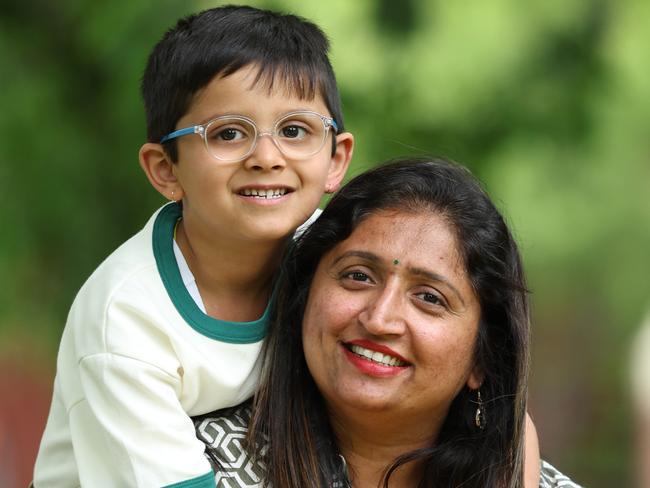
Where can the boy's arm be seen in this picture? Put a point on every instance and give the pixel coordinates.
(532, 461)
(131, 429)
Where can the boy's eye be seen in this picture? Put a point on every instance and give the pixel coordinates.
(293, 132)
(229, 134)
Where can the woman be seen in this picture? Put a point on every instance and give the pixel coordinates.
(400, 353)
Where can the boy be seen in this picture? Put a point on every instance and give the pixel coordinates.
(245, 134)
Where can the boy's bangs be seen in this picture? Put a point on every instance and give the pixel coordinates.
(302, 82)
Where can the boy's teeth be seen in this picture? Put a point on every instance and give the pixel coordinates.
(274, 193)
(376, 356)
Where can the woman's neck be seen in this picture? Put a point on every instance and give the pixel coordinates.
(370, 448)
(234, 279)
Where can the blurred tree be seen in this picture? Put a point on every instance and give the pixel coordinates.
(547, 101)
(71, 126)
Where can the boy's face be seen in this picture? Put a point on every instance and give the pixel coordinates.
(217, 195)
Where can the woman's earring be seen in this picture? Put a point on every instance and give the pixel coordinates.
(172, 198)
(479, 418)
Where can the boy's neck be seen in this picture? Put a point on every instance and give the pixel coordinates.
(234, 279)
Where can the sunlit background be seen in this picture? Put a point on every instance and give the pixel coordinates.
(548, 101)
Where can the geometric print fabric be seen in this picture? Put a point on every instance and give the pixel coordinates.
(224, 437)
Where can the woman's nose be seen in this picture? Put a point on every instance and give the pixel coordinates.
(384, 313)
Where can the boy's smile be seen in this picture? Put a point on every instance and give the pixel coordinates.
(262, 193)
(265, 196)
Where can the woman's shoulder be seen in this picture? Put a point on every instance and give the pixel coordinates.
(550, 477)
(224, 435)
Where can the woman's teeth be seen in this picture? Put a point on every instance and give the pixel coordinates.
(376, 356)
(274, 193)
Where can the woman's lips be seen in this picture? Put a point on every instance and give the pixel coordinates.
(374, 359)
(376, 352)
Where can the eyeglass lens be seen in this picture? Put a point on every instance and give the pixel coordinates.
(296, 135)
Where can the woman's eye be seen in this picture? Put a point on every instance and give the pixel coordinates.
(431, 298)
(293, 132)
(358, 276)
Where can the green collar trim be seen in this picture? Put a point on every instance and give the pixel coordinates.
(221, 330)
(204, 481)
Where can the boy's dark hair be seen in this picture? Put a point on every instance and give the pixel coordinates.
(222, 40)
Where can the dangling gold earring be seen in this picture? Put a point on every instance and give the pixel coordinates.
(479, 418)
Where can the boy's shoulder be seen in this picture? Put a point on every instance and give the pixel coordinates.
(124, 287)
(124, 264)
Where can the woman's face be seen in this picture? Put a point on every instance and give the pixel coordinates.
(391, 319)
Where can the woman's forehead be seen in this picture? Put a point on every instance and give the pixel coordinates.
(422, 240)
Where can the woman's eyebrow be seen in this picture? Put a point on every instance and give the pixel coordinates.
(429, 275)
(360, 254)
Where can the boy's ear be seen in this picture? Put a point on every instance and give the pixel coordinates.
(160, 171)
(340, 161)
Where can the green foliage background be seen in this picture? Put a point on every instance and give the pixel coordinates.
(547, 101)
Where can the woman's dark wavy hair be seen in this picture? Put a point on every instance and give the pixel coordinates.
(289, 412)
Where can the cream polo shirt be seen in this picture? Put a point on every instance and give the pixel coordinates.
(137, 359)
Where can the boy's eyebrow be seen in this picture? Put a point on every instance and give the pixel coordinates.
(233, 113)
(220, 114)
(424, 273)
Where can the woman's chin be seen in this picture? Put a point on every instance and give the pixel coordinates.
(361, 398)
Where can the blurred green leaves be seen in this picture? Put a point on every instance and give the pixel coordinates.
(547, 101)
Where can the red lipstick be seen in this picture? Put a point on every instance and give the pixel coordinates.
(373, 346)
(373, 368)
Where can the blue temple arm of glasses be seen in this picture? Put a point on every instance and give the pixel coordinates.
(179, 133)
(333, 124)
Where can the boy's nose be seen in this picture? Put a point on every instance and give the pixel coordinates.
(266, 155)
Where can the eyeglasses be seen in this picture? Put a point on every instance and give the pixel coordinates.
(234, 137)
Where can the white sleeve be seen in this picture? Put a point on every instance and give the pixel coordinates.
(131, 430)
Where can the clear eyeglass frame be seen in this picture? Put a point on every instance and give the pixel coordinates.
(203, 130)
